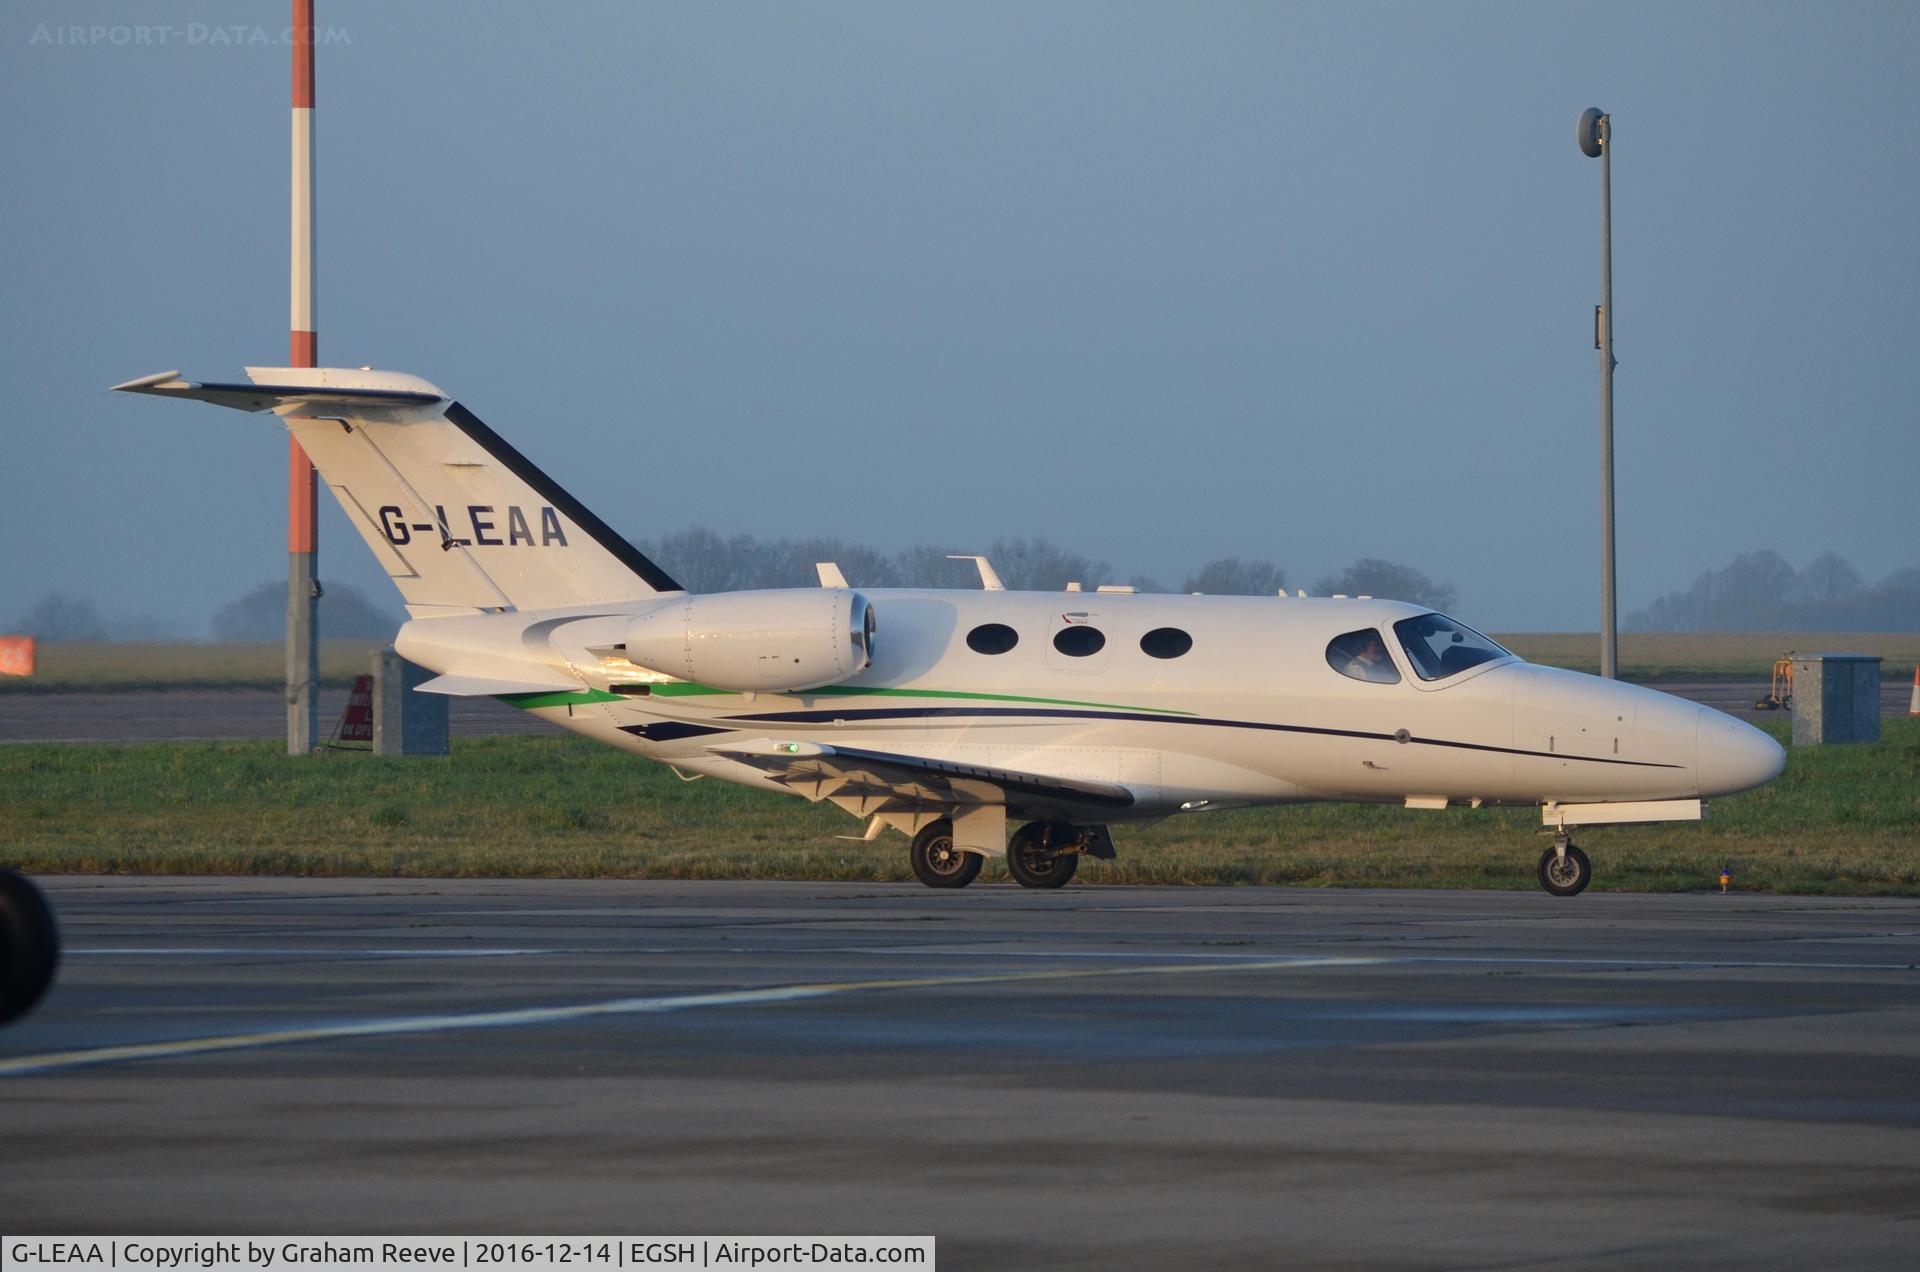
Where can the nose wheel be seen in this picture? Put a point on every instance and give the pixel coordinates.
(936, 862)
(1564, 869)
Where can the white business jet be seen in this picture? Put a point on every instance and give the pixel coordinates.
(952, 715)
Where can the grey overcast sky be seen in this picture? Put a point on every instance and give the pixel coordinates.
(1163, 282)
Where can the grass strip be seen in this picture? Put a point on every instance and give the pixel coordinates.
(1841, 820)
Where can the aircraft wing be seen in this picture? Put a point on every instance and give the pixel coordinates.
(879, 781)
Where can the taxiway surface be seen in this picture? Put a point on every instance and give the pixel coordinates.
(1098, 1078)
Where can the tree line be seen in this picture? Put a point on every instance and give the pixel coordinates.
(704, 561)
(1763, 592)
(1756, 592)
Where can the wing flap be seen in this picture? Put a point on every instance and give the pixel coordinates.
(820, 771)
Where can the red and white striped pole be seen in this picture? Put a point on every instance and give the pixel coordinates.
(303, 645)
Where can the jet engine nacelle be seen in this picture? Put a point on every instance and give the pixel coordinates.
(779, 641)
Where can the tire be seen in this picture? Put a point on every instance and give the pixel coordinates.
(936, 862)
(1566, 877)
(1032, 864)
(29, 946)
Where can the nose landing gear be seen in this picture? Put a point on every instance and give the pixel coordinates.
(1564, 869)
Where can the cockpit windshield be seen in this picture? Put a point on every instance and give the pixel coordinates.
(1438, 647)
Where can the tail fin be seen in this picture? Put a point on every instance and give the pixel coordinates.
(461, 520)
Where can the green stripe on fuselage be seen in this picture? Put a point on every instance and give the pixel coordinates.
(687, 689)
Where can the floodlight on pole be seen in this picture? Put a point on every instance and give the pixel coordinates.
(1596, 142)
(303, 522)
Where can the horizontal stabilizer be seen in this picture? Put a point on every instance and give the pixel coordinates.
(314, 385)
(480, 687)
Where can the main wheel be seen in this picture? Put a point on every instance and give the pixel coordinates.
(1034, 858)
(1565, 876)
(937, 862)
(29, 946)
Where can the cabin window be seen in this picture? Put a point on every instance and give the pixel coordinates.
(1363, 655)
(1165, 642)
(992, 638)
(1079, 641)
(1439, 647)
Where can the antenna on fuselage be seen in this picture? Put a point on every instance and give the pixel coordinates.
(989, 580)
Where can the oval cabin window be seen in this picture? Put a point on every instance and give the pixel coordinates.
(1165, 642)
(992, 638)
(1079, 642)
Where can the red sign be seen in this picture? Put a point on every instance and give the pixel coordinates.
(16, 655)
(357, 724)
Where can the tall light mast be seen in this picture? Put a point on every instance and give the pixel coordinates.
(303, 585)
(1596, 142)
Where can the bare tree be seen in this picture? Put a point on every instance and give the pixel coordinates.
(927, 566)
(261, 614)
(1039, 565)
(1828, 578)
(1232, 576)
(1761, 591)
(57, 616)
(702, 561)
(1388, 580)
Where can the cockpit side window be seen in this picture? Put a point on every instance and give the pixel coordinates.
(1438, 647)
(1363, 656)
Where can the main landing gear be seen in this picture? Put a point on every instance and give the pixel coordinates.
(1564, 869)
(1041, 854)
(939, 864)
(29, 946)
(1045, 854)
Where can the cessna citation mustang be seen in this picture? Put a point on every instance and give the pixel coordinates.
(949, 715)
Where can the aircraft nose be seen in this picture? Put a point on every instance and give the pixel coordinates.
(1733, 756)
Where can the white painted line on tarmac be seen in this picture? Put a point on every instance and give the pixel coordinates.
(967, 950)
(310, 951)
(1638, 964)
(1656, 964)
(55, 1061)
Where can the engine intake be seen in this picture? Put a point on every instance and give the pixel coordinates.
(777, 641)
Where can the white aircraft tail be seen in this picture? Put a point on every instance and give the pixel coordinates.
(461, 520)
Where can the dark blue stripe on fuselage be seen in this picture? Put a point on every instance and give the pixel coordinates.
(913, 713)
(671, 730)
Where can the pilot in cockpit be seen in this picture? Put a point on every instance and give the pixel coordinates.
(1367, 658)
